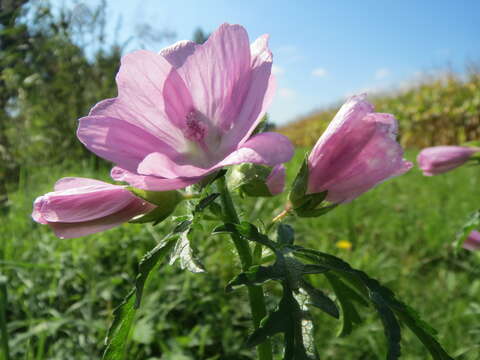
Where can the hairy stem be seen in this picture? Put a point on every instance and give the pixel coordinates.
(255, 293)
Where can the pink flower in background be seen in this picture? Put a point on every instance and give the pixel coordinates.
(356, 152)
(473, 241)
(439, 159)
(276, 180)
(81, 206)
(187, 111)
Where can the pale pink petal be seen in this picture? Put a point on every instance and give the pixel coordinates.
(178, 53)
(67, 183)
(266, 148)
(148, 182)
(157, 164)
(276, 180)
(257, 99)
(83, 203)
(119, 141)
(66, 230)
(217, 74)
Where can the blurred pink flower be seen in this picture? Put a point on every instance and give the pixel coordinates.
(439, 159)
(276, 180)
(357, 151)
(473, 241)
(187, 111)
(81, 206)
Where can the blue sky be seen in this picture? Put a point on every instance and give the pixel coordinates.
(325, 50)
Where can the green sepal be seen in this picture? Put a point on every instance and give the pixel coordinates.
(300, 185)
(166, 202)
(250, 179)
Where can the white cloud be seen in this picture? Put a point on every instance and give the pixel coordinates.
(286, 93)
(382, 73)
(319, 72)
(278, 70)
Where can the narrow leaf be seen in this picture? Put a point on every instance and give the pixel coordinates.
(318, 299)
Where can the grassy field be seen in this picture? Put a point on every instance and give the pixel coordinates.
(62, 292)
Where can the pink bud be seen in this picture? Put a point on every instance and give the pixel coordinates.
(473, 241)
(439, 159)
(81, 206)
(356, 152)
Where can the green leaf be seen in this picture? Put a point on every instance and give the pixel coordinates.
(119, 330)
(285, 234)
(256, 275)
(147, 264)
(318, 299)
(186, 255)
(205, 202)
(350, 315)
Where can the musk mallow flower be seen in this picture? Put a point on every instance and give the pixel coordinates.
(357, 151)
(187, 111)
(81, 206)
(472, 242)
(439, 159)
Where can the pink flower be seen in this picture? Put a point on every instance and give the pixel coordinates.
(356, 152)
(187, 111)
(473, 241)
(439, 159)
(81, 206)
(276, 180)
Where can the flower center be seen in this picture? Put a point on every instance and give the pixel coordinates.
(195, 129)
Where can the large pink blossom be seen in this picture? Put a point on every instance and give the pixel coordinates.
(473, 241)
(187, 111)
(357, 151)
(439, 159)
(81, 206)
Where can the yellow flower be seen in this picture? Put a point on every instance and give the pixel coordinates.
(344, 245)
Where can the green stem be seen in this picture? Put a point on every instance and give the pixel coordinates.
(3, 318)
(255, 293)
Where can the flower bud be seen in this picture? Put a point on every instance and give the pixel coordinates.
(440, 159)
(81, 206)
(257, 180)
(357, 151)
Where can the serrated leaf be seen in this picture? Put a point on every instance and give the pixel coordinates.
(390, 325)
(318, 299)
(349, 314)
(256, 275)
(184, 253)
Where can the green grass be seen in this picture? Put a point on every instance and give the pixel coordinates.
(61, 292)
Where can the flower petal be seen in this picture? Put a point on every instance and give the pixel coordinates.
(276, 180)
(178, 53)
(119, 141)
(65, 230)
(67, 183)
(148, 182)
(157, 164)
(266, 148)
(82, 203)
(258, 97)
(217, 73)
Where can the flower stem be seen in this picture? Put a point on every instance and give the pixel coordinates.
(255, 293)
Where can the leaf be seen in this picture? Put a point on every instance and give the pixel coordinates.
(205, 202)
(318, 299)
(148, 262)
(285, 234)
(390, 326)
(350, 315)
(119, 330)
(256, 275)
(184, 252)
